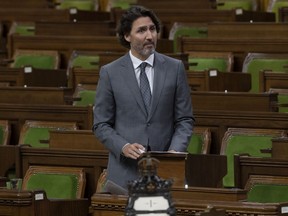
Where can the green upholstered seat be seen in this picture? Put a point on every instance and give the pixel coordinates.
(255, 62)
(57, 182)
(267, 189)
(87, 5)
(85, 98)
(33, 133)
(268, 193)
(41, 59)
(245, 141)
(235, 4)
(200, 141)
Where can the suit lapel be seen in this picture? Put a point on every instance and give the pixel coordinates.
(159, 78)
(129, 78)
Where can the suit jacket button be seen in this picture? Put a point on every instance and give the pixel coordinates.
(148, 124)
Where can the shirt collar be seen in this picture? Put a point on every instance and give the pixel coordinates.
(136, 62)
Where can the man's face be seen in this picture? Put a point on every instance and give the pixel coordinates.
(142, 38)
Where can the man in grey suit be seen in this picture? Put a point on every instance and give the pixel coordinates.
(128, 121)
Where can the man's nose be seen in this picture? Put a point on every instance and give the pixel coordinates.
(149, 35)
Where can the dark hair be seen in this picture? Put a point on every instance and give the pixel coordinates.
(129, 17)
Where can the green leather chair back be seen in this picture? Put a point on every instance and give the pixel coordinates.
(244, 144)
(276, 6)
(35, 61)
(195, 145)
(34, 135)
(268, 193)
(57, 186)
(87, 97)
(258, 63)
(27, 30)
(202, 64)
(189, 31)
(85, 61)
(234, 4)
(200, 141)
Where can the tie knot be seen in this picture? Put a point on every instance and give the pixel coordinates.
(143, 66)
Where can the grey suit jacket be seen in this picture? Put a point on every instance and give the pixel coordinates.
(120, 116)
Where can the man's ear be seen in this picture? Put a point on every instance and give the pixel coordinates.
(127, 38)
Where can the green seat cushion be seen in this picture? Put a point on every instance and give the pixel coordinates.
(36, 61)
(57, 186)
(244, 145)
(87, 98)
(201, 64)
(267, 193)
(195, 144)
(256, 65)
(230, 5)
(87, 62)
(34, 135)
(87, 5)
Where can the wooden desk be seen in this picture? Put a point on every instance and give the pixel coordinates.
(245, 166)
(219, 81)
(112, 205)
(280, 148)
(35, 95)
(234, 101)
(270, 79)
(75, 139)
(18, 113)
(29, 203)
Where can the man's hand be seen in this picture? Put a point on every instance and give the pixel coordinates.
(133, 150)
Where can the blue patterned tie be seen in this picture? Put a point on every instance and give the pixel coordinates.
(145, 87)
